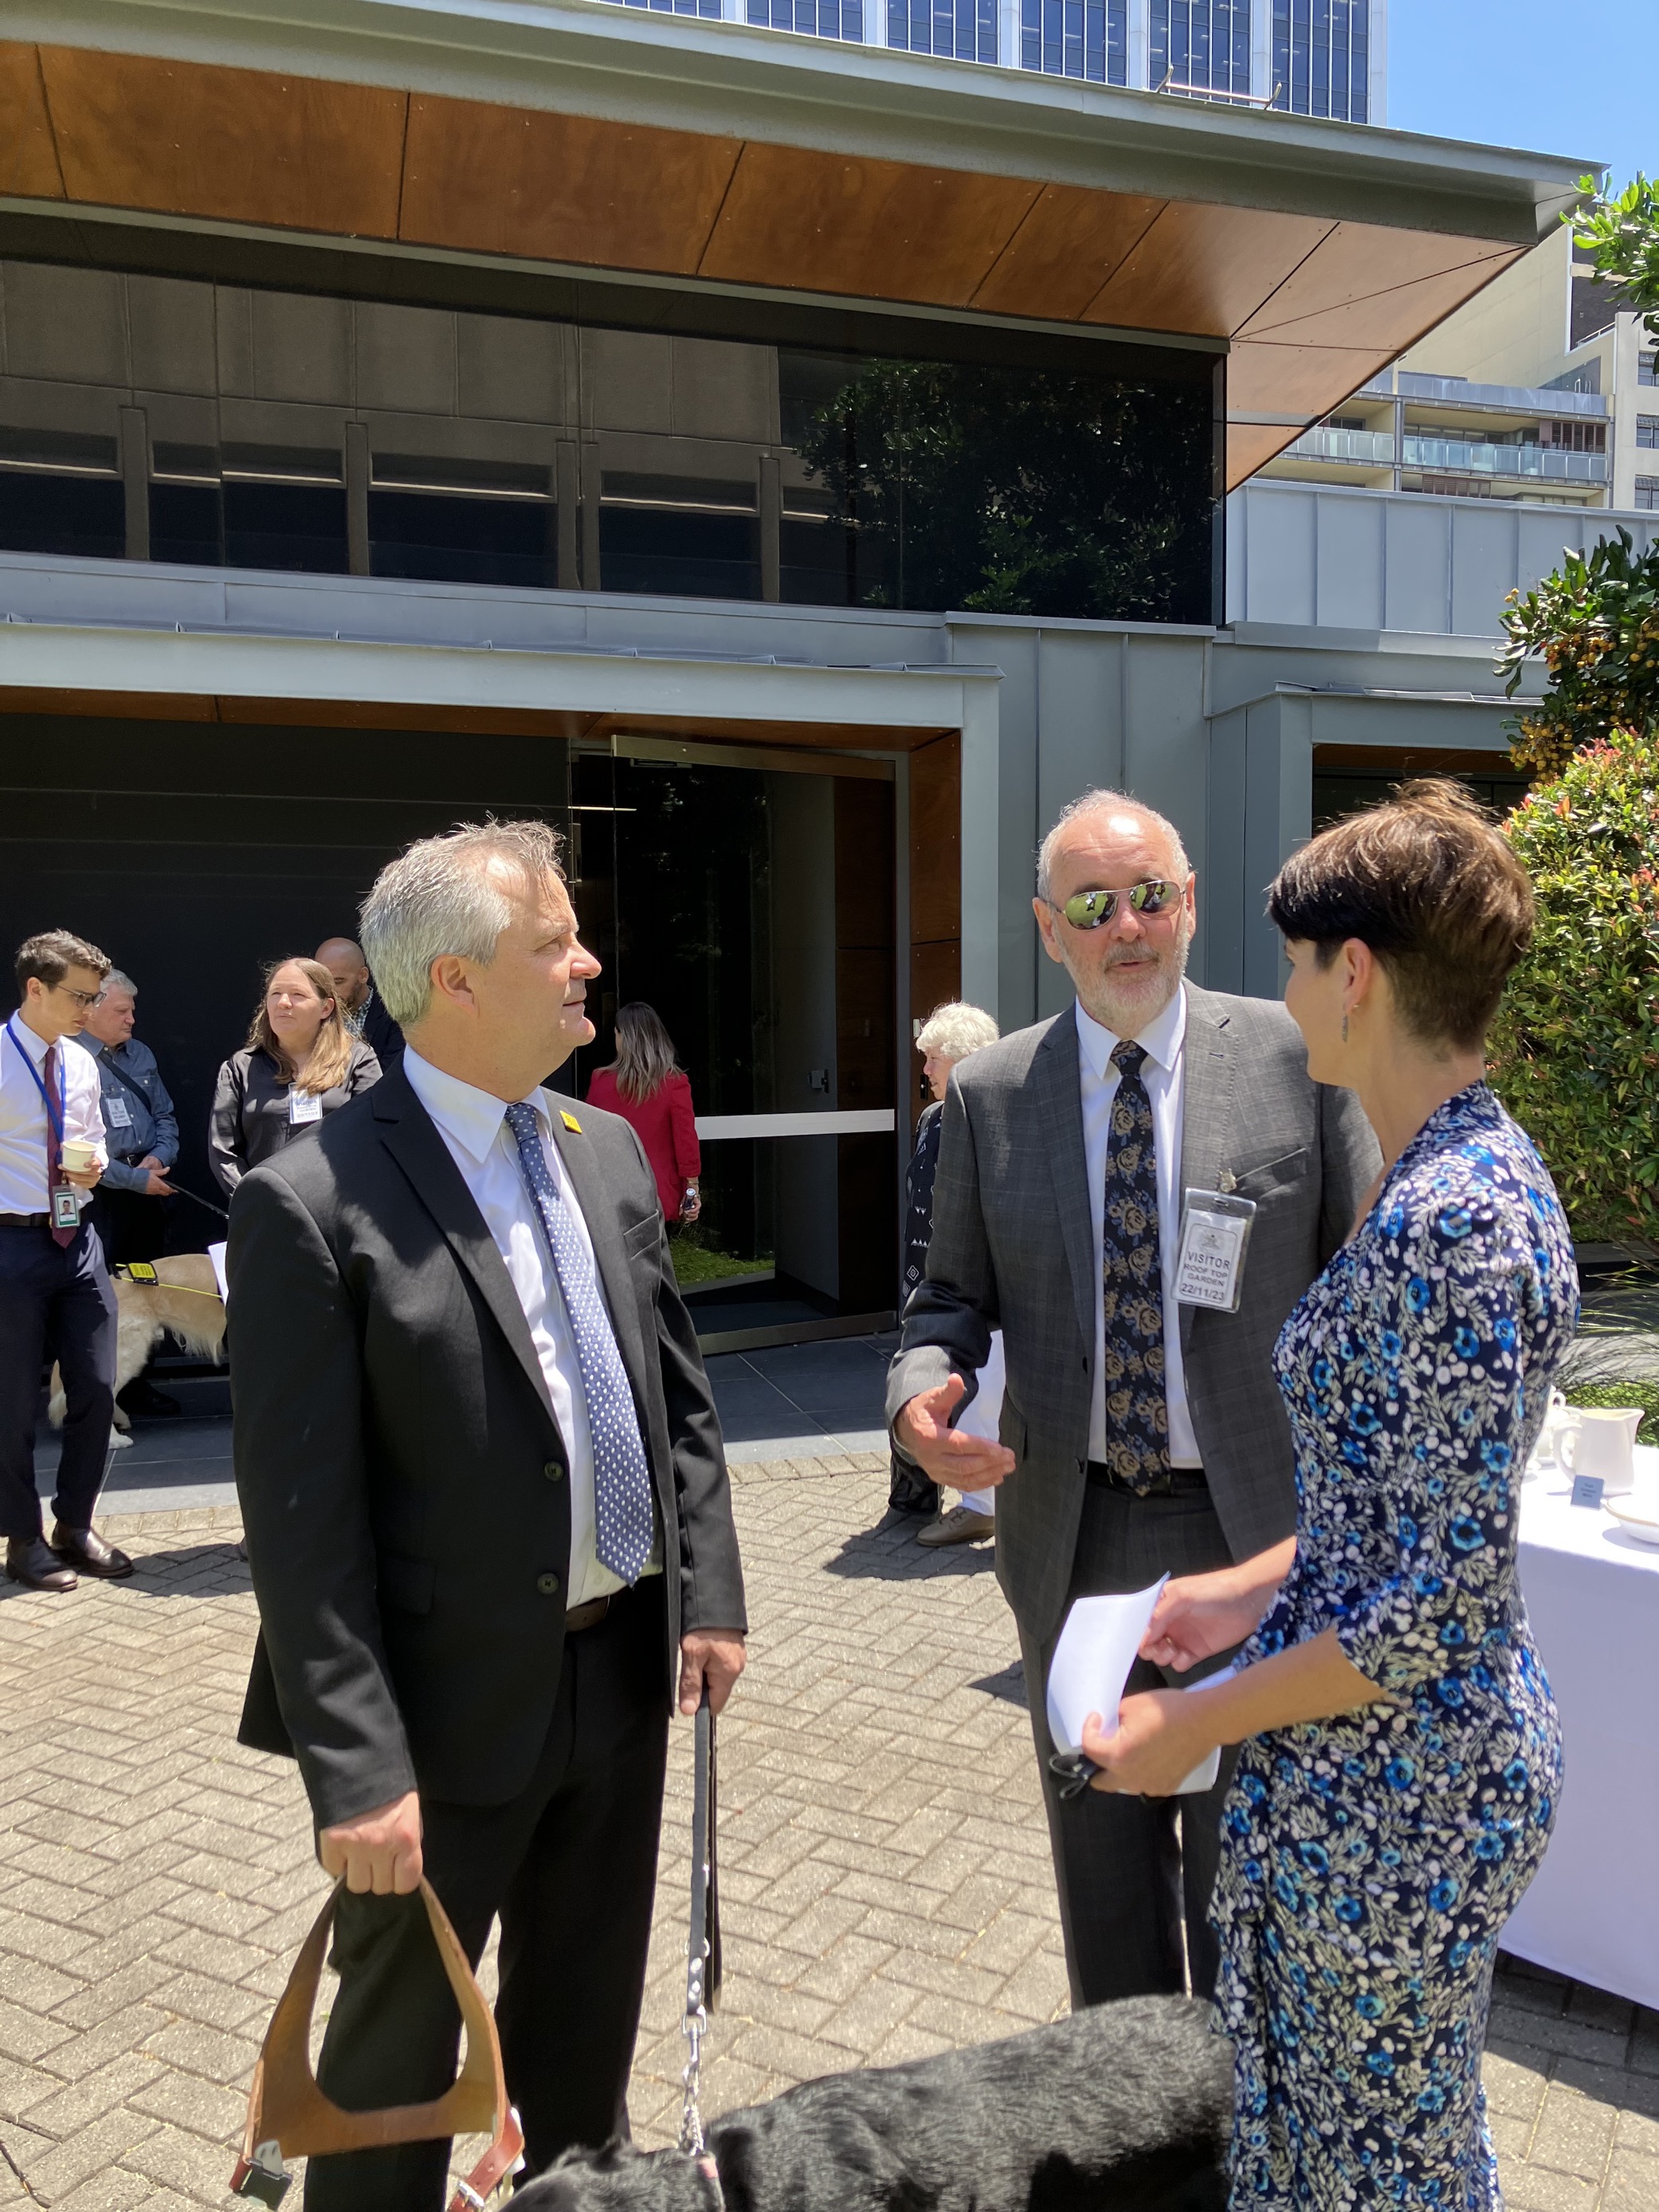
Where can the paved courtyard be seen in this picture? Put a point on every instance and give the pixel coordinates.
(885, 1873)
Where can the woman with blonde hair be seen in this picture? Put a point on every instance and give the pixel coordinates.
(950, 1033)
(300, 1064)
(647, 1085)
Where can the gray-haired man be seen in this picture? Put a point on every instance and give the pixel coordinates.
(1139, 1435)
(487, 1514)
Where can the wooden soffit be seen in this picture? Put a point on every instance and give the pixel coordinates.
(1310, 306)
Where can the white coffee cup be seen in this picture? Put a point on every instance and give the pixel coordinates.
(78, 1156)
(1602, 1440)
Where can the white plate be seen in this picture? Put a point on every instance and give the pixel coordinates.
(1639, 1515)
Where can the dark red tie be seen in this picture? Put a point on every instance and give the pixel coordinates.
(58, 1235)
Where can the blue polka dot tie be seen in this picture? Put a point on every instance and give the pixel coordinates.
(623, 1524)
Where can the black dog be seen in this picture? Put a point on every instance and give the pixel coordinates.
(1125, 2108)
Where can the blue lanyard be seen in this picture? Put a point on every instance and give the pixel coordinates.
(58, 1118)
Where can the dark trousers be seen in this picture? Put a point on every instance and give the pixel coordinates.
(1132, 1872)
(55, 1303)
(570, 1864)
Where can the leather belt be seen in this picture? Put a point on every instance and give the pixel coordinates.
(586, 1616)
(1173, 1482)
(25, 1221)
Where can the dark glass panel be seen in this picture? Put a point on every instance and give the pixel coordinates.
(678, 552)
(1004, 490)
(40, 512)
(187, 524)
(286, 526)
(449, 539)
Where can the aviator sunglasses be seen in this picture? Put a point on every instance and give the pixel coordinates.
(1094, 909)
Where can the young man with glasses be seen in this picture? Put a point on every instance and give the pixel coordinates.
(56, 1301)
(1141, 1436)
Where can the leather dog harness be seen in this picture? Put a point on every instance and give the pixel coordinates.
(288, 2115)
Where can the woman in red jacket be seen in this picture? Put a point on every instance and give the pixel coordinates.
(647, 1086)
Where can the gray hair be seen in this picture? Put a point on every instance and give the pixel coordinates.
(118, 980)
(438, 897)
(1107, 802)
(956, 1029)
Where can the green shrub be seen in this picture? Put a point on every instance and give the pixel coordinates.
(1575, 1051)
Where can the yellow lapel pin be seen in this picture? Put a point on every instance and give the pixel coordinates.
(572, 1124)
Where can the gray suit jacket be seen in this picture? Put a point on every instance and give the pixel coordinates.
(1013, 1248)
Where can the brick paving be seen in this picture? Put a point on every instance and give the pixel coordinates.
(884, 1870)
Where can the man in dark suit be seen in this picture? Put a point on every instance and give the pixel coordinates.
(487, 1514)
(1139, 1436)
(364, 1008)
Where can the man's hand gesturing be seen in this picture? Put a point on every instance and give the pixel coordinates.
(945, 1454)
(379, 1851)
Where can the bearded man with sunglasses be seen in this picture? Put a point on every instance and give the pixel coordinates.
(1141, 1436)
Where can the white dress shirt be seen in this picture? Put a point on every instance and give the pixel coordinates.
(24, 1187)
(1164, 1074)
(473, 1125)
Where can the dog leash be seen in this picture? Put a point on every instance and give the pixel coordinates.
(288, 2115)
(703, 1952)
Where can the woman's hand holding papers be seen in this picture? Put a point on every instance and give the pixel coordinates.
(1199, 1615)
(1160, 1740)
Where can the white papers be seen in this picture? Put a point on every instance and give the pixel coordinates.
(1091, 1663)
(216, 1253)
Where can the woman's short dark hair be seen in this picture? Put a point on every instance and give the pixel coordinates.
(1431, 885)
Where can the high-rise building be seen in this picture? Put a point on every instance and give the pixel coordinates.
(1322, 57)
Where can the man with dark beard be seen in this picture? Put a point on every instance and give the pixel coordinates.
(1139, 1436)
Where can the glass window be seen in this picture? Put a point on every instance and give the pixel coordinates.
(902, 464)
(1647, 429)
(1204, 44)
(1647, 368)
(1088, 39)
(1322, 57)
(966, 30)
(1647, 492)
(819, 19)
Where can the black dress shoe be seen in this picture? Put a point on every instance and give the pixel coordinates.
(30, 1562)
(85, 1549)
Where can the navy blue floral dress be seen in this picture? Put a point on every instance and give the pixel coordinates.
(1368, 1862)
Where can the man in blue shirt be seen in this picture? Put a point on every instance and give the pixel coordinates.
(142, 1135)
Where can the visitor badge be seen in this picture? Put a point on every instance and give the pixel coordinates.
(303, 1106)
(117, 1113)
(65, 1206)
(1215, 1230)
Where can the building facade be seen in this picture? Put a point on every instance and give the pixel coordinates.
(1323, 58)
(794, 472)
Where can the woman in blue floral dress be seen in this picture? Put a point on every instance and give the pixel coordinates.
(1402, 1759)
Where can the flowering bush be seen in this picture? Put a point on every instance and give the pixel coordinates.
(1595, 622)
(1575, 1051)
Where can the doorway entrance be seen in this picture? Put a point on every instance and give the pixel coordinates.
(750, 897)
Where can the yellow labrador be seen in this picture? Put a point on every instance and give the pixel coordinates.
(183, 1302)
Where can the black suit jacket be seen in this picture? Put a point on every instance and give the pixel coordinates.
(380, 1033)
(402, 1481)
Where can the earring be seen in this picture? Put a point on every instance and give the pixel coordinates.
(1345, 1029)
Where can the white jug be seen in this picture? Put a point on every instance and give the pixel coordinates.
(1602, 1440)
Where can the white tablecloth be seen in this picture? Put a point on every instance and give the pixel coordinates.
(1592, 1592)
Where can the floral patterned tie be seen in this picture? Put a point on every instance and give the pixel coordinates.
(623, 1517)
(1137, 1411)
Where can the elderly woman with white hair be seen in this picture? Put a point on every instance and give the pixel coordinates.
(950, 1033)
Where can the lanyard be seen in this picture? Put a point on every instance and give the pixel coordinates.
(56, 1118)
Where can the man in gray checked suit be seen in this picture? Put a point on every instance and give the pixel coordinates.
(1138, 1437)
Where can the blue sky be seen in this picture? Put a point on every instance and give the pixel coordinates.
(1558, 76)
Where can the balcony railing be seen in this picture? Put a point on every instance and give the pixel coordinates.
(1370, 448)
(1464, 457)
